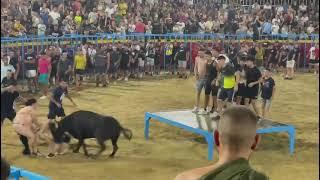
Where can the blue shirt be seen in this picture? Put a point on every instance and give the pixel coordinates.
(267, 28)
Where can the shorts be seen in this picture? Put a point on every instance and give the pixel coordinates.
(266, 102)
(124, 65)
(100, 70)
(80, 72)
(141, 63)
(55, 111)
(31, 74)
(9, 115)
(241, 90)
(290, 64)
(252, 92)
(226, 94)
(150, 61)
(200, 84)
(168, 59)
(313, 62)
(211, 90)
(182, 64)
(44, 79)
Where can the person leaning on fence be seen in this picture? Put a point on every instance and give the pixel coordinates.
(5, 169)
(234, 146)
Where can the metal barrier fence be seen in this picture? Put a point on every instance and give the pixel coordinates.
(23, 44)
(17, 173)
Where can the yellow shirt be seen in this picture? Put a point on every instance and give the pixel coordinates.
(80, 62)
(78, 20)
(229, 82)
(123, 7)
(169, 48)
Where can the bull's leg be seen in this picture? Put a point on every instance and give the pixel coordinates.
(85, 149)
(115, 146)
(102, 147)
(80, 143)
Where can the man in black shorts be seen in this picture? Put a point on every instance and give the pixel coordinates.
(241, 75)
(273, 57)
(100, 67)
(8, 96)
(253, 76)
(210, 87)
(55, 107)
(124, 63)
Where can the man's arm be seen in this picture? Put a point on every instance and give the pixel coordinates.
(195, 70)
(16, 73)
(273, 92)
(70, 99)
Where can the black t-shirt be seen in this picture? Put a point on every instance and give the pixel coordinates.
(64, 65)
(58, 94)
(14, 62)
(267, 88)
(32, 65)
(293, 52)
(54, 62)
(253, 75)
(252, 52)
(212, 72)
(181, 55)
(101, 60)
(125, 56)
(273, 53)
(7, 101)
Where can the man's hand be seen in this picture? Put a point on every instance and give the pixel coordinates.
(251, 84)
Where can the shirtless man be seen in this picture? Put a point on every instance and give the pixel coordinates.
(240, 71)
(200, 72)
(25, 124)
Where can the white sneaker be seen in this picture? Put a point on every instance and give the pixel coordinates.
(126, 79)
(215, 114)
(195, 109)
(43, 97)
(208, 110)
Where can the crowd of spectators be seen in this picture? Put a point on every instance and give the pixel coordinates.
(58, 17)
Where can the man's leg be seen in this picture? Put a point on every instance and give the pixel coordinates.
(263, 108)
(255, 107)
(24, 141)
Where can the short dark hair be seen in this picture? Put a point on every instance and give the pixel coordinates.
(30, 102)
(208, 52)
(251, 58)
(5, 169)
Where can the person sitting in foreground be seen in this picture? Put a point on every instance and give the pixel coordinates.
(5, 169)
(234, 145)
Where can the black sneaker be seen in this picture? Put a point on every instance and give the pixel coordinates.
(26, 152)
(50, 155)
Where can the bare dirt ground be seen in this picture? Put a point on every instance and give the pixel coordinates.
(171, 150)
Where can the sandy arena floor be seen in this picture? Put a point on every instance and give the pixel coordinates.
(171, 150)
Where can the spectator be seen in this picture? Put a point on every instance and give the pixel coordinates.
(235, 147)
(267, 28)
(6, 67)
(140, 27)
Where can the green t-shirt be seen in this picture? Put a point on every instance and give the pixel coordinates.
(235, 170)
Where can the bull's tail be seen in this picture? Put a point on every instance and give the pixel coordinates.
(127, 133)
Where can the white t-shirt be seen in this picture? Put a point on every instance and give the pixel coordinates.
(304, 19)
(312, 52)
(310, 29)
(275, 29)
(303, 8)
(268, 7)
(109, 10)
(202, 27)
(41, 29)
(55, 16)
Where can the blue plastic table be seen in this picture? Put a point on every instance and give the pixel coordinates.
(204, 126)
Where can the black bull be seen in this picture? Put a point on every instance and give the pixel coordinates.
(85, 124)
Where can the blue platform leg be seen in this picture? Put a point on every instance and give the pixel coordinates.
(146, 126)
(210, 142)
(291, 133)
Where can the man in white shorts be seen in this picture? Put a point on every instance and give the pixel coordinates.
(30, 67)
(292, 56)
(314, 58)
(181, 56)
